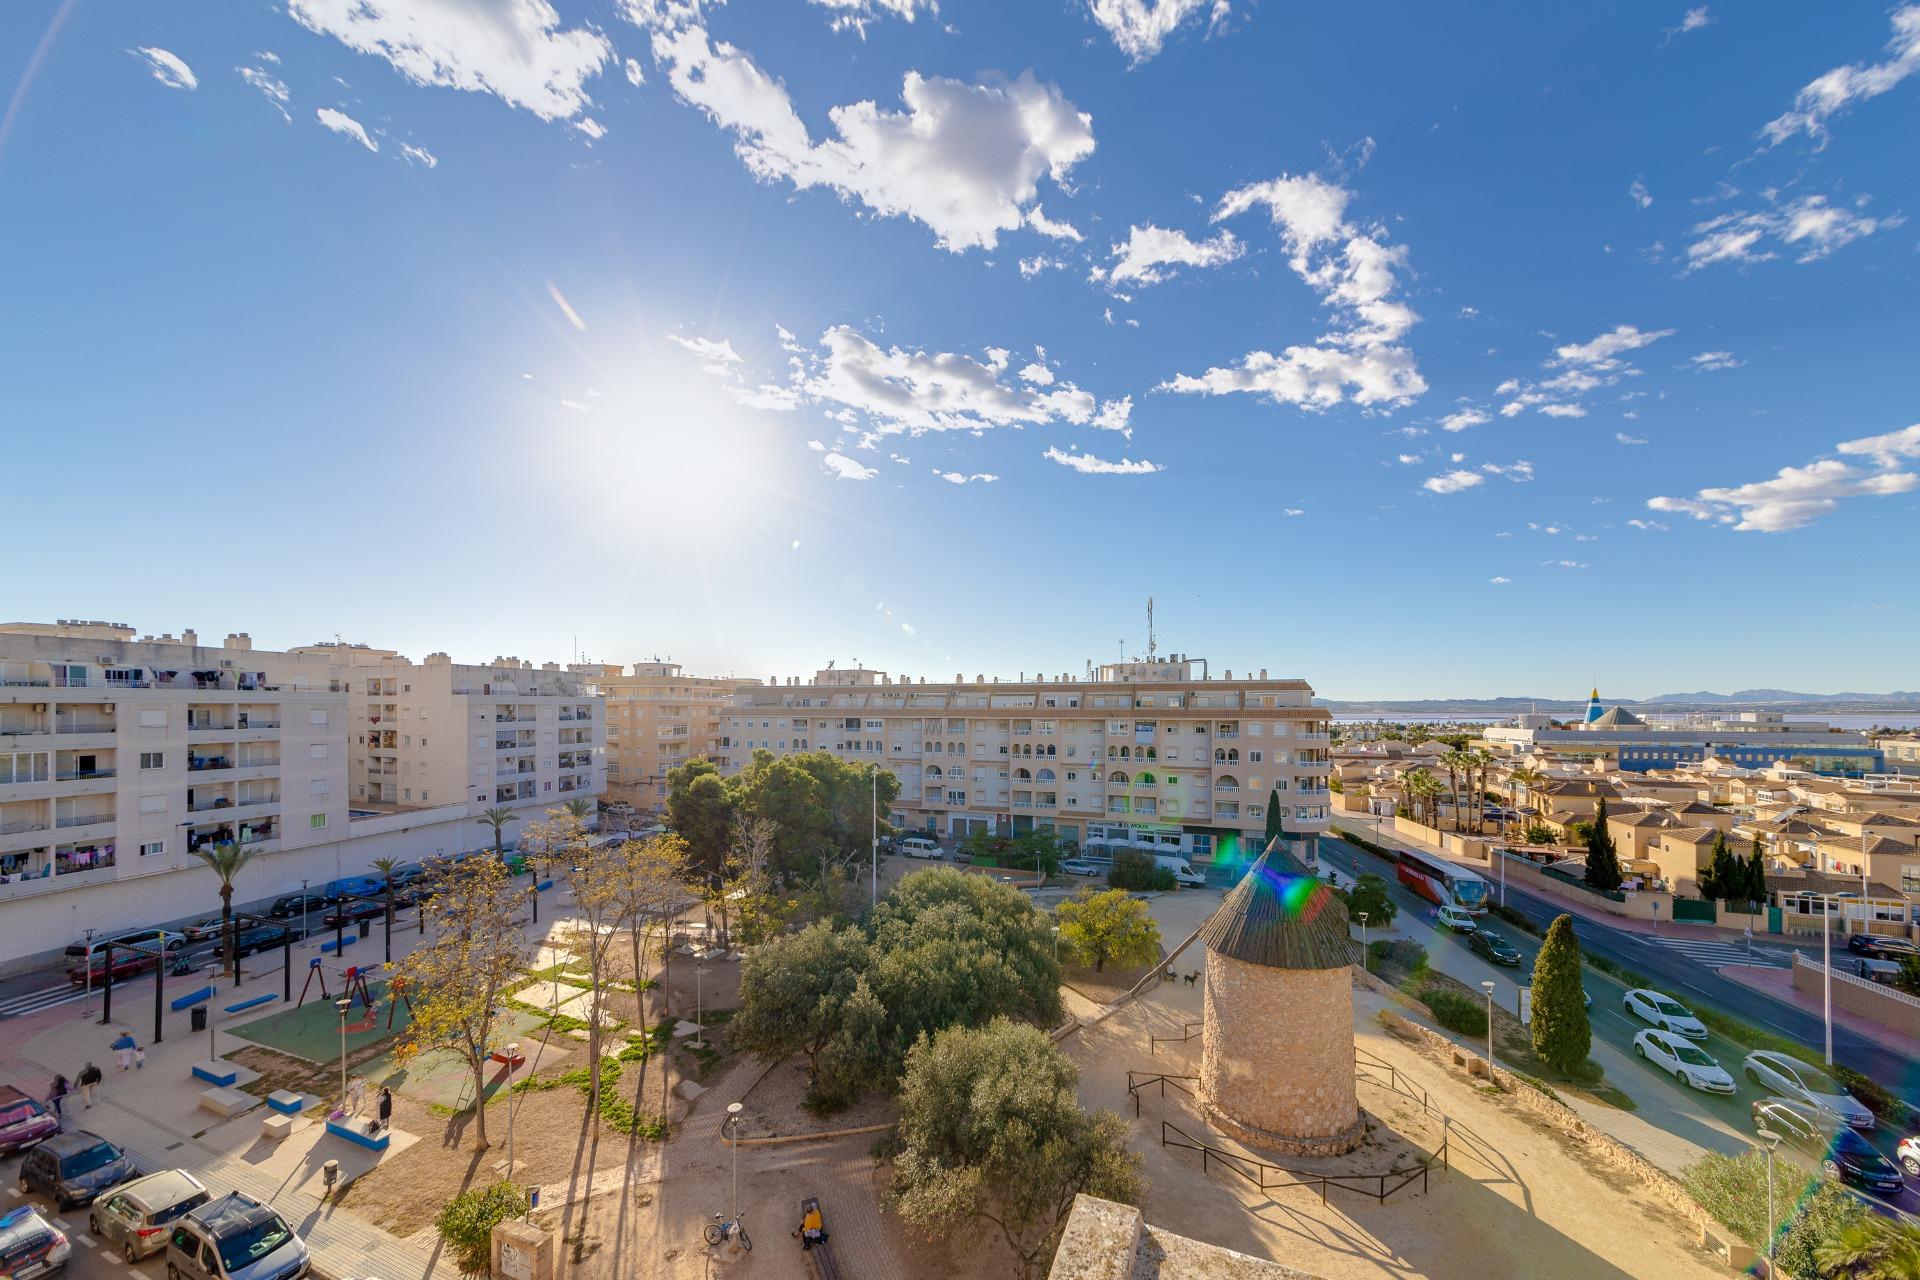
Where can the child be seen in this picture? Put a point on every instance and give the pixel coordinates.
(58, 1094)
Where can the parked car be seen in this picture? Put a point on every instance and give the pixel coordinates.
(208, 930)
(352, 887)
(30, 1246)
(1458, 919)
(1081, 867)
(289, 905)
(1879, 948)
(134, 1216)
(1493, 947)
(1842, 1153)
(169, 939)
(1908, 1154)
(351, 912)
(261, 937)
(1688, 1064)
(72, 1168)
(1804, 1082)
(1664, 1012)
(126, 964)
(235, 1238)
(23, 1121)
(919, 847)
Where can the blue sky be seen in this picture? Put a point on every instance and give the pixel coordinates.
(1418, 351)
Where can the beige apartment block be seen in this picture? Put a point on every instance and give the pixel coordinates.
(122, 754)
(1142, 753)
(658, 718)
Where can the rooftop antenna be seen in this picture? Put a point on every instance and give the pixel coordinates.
(830, 662)
(1151, 645)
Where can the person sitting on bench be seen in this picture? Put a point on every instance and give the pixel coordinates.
(812, 1229)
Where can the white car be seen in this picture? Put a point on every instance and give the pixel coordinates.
(918, 847)
(1804, 1082)
(1664, 1013)
(1689, 1065)
(1908, 1154)
(1082, 867)
(1458, 919)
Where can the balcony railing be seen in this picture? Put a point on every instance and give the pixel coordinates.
(6, 732)
(91, 726)
(82, 819)
(20, 828)
(202, 764)
(72, 775)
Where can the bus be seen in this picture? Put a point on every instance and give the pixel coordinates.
(1442, 883)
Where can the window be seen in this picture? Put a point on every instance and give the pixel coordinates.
(317, 716)
(153, 718)
(317, 751)
(153, 848)
(153, 759)
(315, 821)
(153, 804)
(318, 787)
(1253, 757)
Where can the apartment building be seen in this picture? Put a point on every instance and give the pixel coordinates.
(122, 754)
(658, 718)
(1749, 739)
(1137, 752)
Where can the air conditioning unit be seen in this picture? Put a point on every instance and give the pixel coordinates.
(226, 662)
(39, 708)
(112, 707)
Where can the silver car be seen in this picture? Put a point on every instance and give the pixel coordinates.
(134, 1216)
(1804, 1082)
(235, 1238)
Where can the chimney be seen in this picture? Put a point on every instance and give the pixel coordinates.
(190, 636)
(239, 640)
(1263, 673)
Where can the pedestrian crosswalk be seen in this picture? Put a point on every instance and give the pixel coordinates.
(34, 1001)
(1715, 955)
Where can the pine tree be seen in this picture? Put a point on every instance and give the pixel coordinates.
(1756, 874)
(1561, 1034)
(1724, 877)
(1603, 864)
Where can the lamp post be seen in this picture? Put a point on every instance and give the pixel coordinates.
(343, 1004)
(533, 899)
(876, 844)
(733, 1121)
(1772, 1140)
(513, 1055)
(1487, 986)
(1363, 942)
(87, 1010)
(699, 1016)
(1826, 969)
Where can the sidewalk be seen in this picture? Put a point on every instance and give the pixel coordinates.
(1778, 983)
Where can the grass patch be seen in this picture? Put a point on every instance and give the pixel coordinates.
(616, 1112)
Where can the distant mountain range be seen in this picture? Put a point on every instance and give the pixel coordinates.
(1903, 701)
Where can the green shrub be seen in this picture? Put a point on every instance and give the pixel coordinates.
(1460, 1014)
(1397, 959)
(1369, 895)
(1513, 917)
(1136, 871)
(1813, 1213)
(467, 1222)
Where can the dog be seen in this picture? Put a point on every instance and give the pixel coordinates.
(1193, 978)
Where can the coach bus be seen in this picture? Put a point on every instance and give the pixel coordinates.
(1440, 882)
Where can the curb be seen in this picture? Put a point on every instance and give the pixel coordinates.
(780, 1140)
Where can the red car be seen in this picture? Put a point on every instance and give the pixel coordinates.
(126, 964)
(23, 1121)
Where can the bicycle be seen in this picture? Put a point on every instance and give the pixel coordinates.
(719, 1231)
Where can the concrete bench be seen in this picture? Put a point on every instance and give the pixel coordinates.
(275, 1128)
(192, 998)
(286, 1101)
(227, 1102)
(217, 1073)
(357, 1134)
(254, 1003)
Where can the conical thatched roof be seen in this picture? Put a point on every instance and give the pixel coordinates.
(1281, 917)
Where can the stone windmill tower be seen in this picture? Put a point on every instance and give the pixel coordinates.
(1277, 1049)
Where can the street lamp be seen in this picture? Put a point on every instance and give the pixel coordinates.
(513, 1055)
(1772, 1140)
(533, 898)
(1487, 986)
(1826, 969)
(876, 851)
(699, 1017)
(1363, 942)
(343, 1004)
(733, 1120)
(87, 1011)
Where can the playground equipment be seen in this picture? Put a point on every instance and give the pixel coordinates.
(354, 987)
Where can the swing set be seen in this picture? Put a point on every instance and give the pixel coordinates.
(354, 987)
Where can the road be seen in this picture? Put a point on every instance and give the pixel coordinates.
(1704, 1119)
(92, 1259)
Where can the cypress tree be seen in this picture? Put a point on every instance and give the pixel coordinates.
(1724, 878)
(1562, 1035)
(1756, 874)
(1603, 863)
(1273, 815)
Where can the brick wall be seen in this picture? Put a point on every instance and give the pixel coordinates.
(1278, 1048)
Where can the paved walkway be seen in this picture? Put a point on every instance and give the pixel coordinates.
(1778, 983)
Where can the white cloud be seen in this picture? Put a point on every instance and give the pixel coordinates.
(1624, 438)
(419, 155)
(1648, 526)
(1518, 472)
(1708, 361)
(1293, 511)
(1087, 464)
(1796, 496)
(1038, 374)
(591, 127)
(1140, 27)
(854, 15)
(1149, 249)
(342, 123)
(960, 477)
(1563, 564)
(816, 446)
(577, 406)
(1499, 581)
(167, 68)
(1810, 227)
(1563, 410)
(1693, 21)
(1833, 93)
(1639, 194)
(1462, 419)
(1031, 267)
(716, 357)
(1452, 481)
(1115, 415)
(635, 74)
(1408, 459)
(841, 467)
(270, 86)
(965, 159)
(514, 49)
(1604, 351)
(1039, 221)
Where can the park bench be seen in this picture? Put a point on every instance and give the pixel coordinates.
(820, 1255)
(215, 1072)
(276, 1127)
(286, 1101)
(227, 1103)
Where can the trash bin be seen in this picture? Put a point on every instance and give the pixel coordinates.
(366, 927)
(199, 1017)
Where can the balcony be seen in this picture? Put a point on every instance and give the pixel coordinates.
(84, 726)
(68, 821)
(23, 826)
(23, 730)
(82, 775)
(205, 764)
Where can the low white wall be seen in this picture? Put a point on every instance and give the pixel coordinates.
(35, 929)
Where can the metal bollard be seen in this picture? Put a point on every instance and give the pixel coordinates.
(329, 1176)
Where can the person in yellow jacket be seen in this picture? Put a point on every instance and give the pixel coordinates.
(812, 1229)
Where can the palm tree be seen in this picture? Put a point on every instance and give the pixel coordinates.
(1528, 778)
(1876, 1249)
(227, 860)
(1483, 760)
(1457, 761)
(581, 808)
(1422, 787)
(386, 867)
(497, 818)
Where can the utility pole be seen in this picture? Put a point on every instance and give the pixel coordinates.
(876, 834)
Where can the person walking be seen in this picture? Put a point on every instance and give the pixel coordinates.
(386, 1108)
(58, 1095)
(123, 1048)
(89, 1082)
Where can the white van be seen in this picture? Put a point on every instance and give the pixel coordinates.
(918, 847)
(1183, 872)
(1458, 919)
